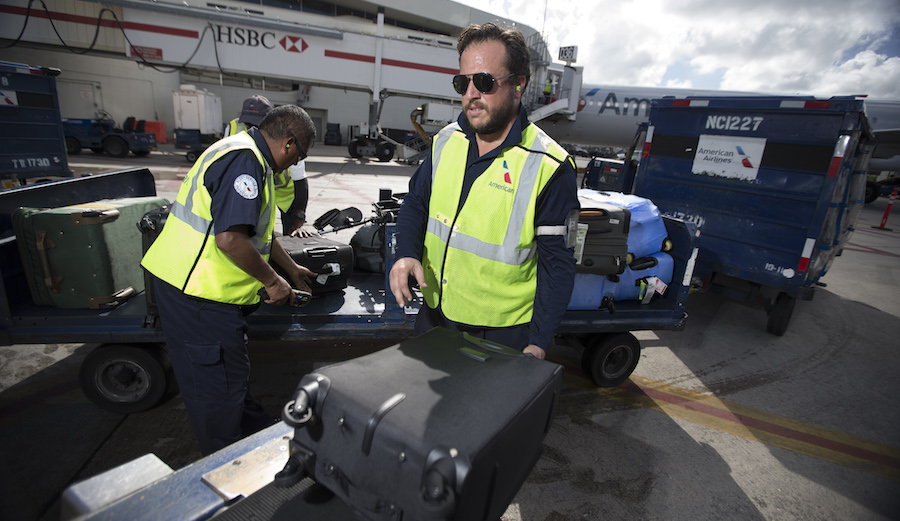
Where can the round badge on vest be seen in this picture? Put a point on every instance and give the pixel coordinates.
(246, 186)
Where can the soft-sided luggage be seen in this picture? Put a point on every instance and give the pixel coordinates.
(85, 255)
(368, 248)
(440, 427)
(330, 260)
(602, 241)
(151, 225)
(646, 230)
(641, 280)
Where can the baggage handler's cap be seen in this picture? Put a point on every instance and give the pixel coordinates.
(255, 109)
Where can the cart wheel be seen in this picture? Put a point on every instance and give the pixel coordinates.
(73, 147)
(115, 146)
(610, 359)
(872, 193)
(780, 314)
(353, 149)
(124, 379)
(385, 152)
(192, 155)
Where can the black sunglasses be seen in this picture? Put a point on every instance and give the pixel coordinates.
(297, 144)
(483, 81)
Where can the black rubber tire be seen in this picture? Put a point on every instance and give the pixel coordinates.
(780, 314)
(73, 147)
(124, 379)
(115, 146)
(353, 149)
(140, 153)
(385, 152)
(192, 155)
(610, 359)
(872, 193)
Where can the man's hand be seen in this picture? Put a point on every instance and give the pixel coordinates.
(279, 292)
(401, 271)
(301, 277)
(298, 230)
(535, 351)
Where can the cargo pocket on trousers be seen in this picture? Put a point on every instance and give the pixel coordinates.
(208, 370)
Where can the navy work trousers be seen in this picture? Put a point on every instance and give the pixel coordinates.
(207, 342)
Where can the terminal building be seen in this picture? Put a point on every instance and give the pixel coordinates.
(347, 62)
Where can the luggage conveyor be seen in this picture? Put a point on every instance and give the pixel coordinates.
(129, 371)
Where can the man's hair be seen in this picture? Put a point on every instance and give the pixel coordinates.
(518, 58)
(281, 121)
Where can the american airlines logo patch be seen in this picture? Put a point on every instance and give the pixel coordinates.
(507, 181)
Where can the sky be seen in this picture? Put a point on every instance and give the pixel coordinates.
(808, 47)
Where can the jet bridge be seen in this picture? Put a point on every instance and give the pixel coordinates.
(554, 89)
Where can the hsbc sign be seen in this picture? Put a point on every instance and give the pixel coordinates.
(253, 38)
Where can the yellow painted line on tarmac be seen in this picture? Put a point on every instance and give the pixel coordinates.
(757, 425)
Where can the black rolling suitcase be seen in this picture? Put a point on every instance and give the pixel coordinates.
(444, 426)
(602, 244)
(332, 261)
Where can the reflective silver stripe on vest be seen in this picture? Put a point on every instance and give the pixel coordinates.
(185, 213)
(508, 252)
(440, 142)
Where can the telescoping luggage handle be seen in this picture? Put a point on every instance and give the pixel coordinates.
(489, 346)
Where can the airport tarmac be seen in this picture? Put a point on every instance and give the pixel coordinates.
(719, 421)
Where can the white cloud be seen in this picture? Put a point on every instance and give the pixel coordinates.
(823, 47)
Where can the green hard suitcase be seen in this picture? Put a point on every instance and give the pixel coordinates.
(86, 255)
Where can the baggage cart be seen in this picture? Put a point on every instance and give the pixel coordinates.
(32, 144)
(774, 184)
(129, 370)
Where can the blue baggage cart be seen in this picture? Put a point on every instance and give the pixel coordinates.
(774, 184)
(128, 371)
(32, 144)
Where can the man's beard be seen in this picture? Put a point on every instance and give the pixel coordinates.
(498, 117)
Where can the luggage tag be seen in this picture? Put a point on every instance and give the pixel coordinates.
(651, 286)
(335, 267)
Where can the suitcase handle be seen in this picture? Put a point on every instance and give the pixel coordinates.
(111, 301)
(594, 212)
(95, 216)
(493, 347)
(44, 244)
(321, 251)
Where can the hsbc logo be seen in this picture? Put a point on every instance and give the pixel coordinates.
(293, 44)
(253, 38)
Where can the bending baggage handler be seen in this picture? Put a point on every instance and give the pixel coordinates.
(211, 260)
(292, 191)
(484, 227)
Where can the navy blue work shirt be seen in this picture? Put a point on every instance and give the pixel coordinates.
(230, 182)
(556, 262)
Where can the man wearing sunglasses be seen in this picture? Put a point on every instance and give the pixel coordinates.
(291, 186)
(211, 260)
(484, 229)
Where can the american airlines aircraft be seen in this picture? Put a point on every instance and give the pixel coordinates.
(605, 115)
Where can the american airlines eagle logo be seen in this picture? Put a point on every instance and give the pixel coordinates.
(290, 44)
(506, 177)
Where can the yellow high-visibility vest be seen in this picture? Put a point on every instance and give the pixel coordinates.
(185, 254)
(479, 261)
